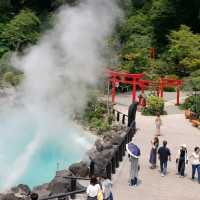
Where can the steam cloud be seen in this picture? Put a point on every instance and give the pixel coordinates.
(59, 69)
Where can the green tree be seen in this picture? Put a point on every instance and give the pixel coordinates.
(184, 49)
(21, 30)
(135, 36)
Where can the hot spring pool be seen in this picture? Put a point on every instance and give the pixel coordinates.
(31, 150)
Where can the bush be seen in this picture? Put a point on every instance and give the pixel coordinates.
(154, 105)
(192, 103)
(95, 116)
(12, 78)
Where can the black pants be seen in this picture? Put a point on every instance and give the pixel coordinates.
(181, 167)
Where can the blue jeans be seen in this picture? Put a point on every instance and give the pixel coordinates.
(198, 171)
(194, 168)
(163, 167)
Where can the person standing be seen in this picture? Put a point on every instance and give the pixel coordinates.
(164, 156)
(93, 189)
(153, 153)
(132, 113)
(134, 154)
(158, 123)
(182, 160)
(106, 185)
(195, 162)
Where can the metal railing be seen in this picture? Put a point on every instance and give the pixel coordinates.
(64, 196)
(118, 114)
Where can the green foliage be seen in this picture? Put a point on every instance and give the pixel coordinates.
(95, 116)
(5, 63)
(12, 78)
(21, 30)
(193, 82)
(154, 105)
(192, 103)
(135, 36)
(184, 49)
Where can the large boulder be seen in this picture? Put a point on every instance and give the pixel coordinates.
(60, 183)
(79, 169)
(42, 190)
(10, 196)
(101, 160)
(21, 189)
(117, 140)
(98, 145)
(20, 192)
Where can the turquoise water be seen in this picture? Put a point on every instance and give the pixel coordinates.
(30, 154)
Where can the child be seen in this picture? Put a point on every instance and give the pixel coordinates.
(158, 123)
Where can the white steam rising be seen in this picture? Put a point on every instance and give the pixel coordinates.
(59, 69)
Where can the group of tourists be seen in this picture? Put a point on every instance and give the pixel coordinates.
(163, 154)
(99, 188)
(182, 158)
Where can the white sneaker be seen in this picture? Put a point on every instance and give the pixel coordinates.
(162, 175)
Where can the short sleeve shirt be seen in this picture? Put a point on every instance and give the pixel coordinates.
(92, 190)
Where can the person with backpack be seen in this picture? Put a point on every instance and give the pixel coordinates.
(164, 157)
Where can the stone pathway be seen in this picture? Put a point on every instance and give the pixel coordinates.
(176, 130)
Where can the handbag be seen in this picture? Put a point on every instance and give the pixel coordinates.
(100, 195)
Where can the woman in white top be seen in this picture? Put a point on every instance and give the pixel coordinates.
(93, 189)
(158, 123)
(195, 160)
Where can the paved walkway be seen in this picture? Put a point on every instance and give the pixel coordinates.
(176, 130)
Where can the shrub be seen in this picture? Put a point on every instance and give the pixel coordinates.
(154, 105)
(95, 116)
(192, 103)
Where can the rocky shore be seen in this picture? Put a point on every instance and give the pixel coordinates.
(101, 154)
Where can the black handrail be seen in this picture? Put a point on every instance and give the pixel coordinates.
(77, 178)
(118, 115)
(64, 194)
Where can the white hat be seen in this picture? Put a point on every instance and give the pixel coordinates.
(184, 145)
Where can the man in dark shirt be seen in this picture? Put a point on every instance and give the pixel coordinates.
(164, 156)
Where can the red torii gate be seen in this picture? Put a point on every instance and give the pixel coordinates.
(122, 77)
(135, 80)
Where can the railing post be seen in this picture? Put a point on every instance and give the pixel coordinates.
(113, 165)
(109, 170)
(118, 116)
(123, 119)
(91, 168)
(120, 153)
(124, 146)
(73, 187)
(117, 158)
